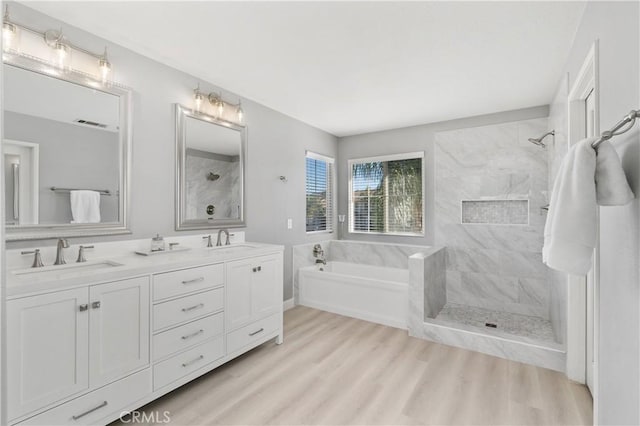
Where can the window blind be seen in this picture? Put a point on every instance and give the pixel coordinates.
(386, 195)
(319, 188)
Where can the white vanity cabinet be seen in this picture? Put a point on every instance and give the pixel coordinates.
(254, 300)
(85, 353)
(47, 349)
(118, 329)
(63, 343)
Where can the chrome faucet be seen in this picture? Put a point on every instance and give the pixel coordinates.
(208, 238)
(219, 242)
(318, 253)
(37, 259)
(62, 244)
(81, 250)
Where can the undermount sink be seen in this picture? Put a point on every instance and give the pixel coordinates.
(227, 249)
(65, 271)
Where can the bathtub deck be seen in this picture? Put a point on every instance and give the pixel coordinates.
(334, 370)
(518, 325)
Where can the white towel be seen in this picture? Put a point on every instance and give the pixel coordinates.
(584, 181)
(85, 206)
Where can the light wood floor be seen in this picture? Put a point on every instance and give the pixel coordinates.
(334, 370)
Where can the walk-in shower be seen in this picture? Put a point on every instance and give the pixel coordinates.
(538, 141)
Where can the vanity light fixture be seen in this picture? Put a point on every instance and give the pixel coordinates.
(9, 31)
(219, 105)
(104, 66)
(61, 49)
(216, 100)
(197, 99)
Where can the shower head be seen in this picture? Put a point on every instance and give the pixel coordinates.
(538, 141)
(213, 177)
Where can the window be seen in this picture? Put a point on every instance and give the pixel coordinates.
(386, 194)
(319, 193)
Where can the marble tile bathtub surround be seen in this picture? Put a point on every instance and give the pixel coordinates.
(377, 254)
(489, 265)
(303, 256)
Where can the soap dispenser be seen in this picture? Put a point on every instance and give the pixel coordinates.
(157, 243)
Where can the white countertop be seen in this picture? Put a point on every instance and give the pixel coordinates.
(130, 265)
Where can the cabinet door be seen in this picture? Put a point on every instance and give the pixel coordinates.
(47, 339)
(238, 289)
(266, 287)
(119, 329)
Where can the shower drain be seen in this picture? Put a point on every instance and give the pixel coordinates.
(490, 324)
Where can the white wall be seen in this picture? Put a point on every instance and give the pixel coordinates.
(276, 146)
(410, 139)
(615, 24)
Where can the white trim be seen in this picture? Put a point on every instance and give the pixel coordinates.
(388, 157)
(332, 178)
(321, 157)
(35, 175)
(288, 304)
(587, 81)
(380, 158)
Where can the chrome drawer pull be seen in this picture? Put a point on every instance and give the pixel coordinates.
(189, 336)
(79, 416)
(195, 280)
(256, 332)
(83, 307)
(186, 364)
(191, 308)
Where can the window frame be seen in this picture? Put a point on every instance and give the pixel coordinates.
(332, 184)
(382, 158)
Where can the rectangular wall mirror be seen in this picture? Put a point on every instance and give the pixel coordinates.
(210, 157)
(64, 135)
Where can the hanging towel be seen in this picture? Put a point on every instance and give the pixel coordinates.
(85, 206)
(583, 182)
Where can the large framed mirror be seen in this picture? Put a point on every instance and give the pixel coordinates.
(66, 151)
(211, 159)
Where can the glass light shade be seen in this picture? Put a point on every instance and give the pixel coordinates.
(197, 100)
(61, 55)
(240, 113)
(9, 34)
(105, 68)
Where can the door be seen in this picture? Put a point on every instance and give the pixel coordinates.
(590, 130)
(47, 339)
(119, 329)
(238, 289)
(265, 287)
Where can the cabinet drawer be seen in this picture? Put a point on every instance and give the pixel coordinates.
(94, 406)
(187, 308)
(184, 363)
(252, 332)
(187, 335)
(186, 281)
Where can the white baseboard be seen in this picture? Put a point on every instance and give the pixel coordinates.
(288, 304)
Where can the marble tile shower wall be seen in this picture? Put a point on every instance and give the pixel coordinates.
(223, 193)
(497, 267)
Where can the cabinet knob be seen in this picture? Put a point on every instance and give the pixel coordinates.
(83, 307)
(95, 305)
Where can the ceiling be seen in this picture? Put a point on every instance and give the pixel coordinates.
(351, 67)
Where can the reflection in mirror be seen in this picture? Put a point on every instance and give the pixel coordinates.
(210, 169)
(65, 151)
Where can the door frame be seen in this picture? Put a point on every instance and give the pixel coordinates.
(586, 81)
(34, 174)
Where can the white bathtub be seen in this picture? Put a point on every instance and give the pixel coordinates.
(371, 293)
